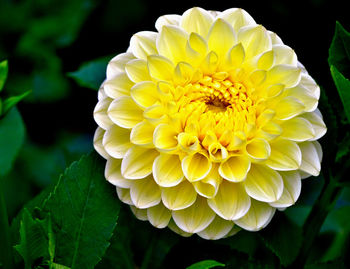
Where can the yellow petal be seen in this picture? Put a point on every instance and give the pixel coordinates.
(258, 216)
(165, 138)
(116, 141)
(137, 162)
(124, 112)
(160, 67)
(156, 114)
(255, 40)
(196, 167)
(309, 83)
(285, 74)
(209, 185)
(140, 214)
(113, 173)
(171, 43)
(221, 38)
(124, 196)
(258, 149)
(288, 107)
(235, 168)
(167, 170)
(183, 73)
(234, 58)
(172, 226)
(137, 70)
(291, 190)
(118, 86)
(297, 129)
(218, 229)
(195, 218)
(196, 20)
(311, 159)
(237, 17)
(188, 142)
(315, 118)
(159, 216)
(171, 19)
(180, 196)
(284, 55)
(100, 113)
(304, 95)
(217, 152)
(257, 77)
(285, 155)
(145, 193)
(266, 60)
(231, 202)
(276, 40)
(117, 64)
(142, 134)
(143, 44)
(263, 183)
(99, 133)
(196, 48)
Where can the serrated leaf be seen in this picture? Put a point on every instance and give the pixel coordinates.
(12, 101)
(207, 264)
(34, 240)
(283, 238)
(343, 86)
(3, 74)
(84, 212)
(12, 134)
(91, 74)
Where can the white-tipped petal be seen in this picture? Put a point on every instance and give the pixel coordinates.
(116, 141)
(180, 196)
(196, 20)
(172, 19)
(143, 44)
(99, 133)
(311, 158)
(142, 134)
(141, 214)
(100, 113)
(285, 155)
(159, 216)
(117, 64)
(196, 167)
(218, 229)
(118, 86)
(113, 173)
(124, 196)
(235, 168)
(237, 17)
(145, 193)
(167, 170)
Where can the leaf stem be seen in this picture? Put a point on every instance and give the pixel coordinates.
(323, 205)
(6, 257)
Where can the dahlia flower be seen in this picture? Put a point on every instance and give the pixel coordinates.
(208, 124)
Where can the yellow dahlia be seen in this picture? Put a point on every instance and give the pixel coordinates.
(208, 124)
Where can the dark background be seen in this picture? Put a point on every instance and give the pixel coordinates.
(43, 40)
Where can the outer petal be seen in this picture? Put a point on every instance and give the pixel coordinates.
(288, 108)
(100, 113)
(218, 229)
(124, 112)
(263, 184)
(118, 86)
(195, 218)
(291, 190)
(179, 197)
(159, 215)
(142, 134)
(258, 216)
(285, 155)
(99, 133)
(318, 125)
(196, 167)
(311, 160)
(137, 162)
(167, 170)
(117, 64)
(145, 193)
(286, 74)
(231, 202)
(237, 17)
(160, 68)
(144, 93)
(172, 226)
(143, 44)
(235, 168)
(172, 19)
(113, 174)
(297, 129)
(141, 214)
(196, 20)
(258, 149)
(165, 138)
(284, 55)
(124, 196)
(209, 185)
(116, 141)
(137, 70)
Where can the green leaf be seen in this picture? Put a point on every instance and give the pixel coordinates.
(283, 238)
(91, 74)
(3, 74)
(207, 264)
(34, 241)
(13, 100)
(343, 86)
(339, 51)
(12, 134)
(327, 265)
(84, 210)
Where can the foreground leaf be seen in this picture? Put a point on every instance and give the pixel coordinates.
(11, 138)
(207, 264)
(13, 100)
(3, 74)
(91, 74)
(84, 212)
(34, 241)
(284, 239)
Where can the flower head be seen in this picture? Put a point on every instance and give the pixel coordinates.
(208, 124)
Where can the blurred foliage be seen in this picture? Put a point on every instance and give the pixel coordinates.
(57, 49)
